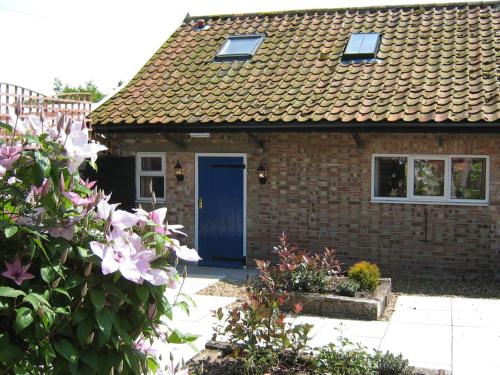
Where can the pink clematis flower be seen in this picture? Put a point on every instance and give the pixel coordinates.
(9, 155)
(41, 190)
(183, 252)
(78, 200)
(158, 218)
(17, 272)
(120, 219)
(66, 232)
(125, 254)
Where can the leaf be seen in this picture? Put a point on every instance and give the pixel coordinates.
(6, 291)
(36, 300)
(142, 292)
(89, 357)
(67, 350)
(42, 163)
(105, 321)
(177, 337)
(83, 331)
(152, 365)
(63, 292)
(47, 274)
(24, 318)
(9, 353)
(7, 127)
(97, 298)
(10, 231)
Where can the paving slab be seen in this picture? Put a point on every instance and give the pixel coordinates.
(420, 342)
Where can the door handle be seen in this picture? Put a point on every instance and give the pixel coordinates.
(200, 203)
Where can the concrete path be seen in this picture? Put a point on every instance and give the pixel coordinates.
(455, 334)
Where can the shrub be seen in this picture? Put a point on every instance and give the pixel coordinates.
(300, 271)
(258, 330)
(84, 286)
(341, 360)
(390, 364)
(366, 274)
(347, 287)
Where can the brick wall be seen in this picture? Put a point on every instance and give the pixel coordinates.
(318, 190)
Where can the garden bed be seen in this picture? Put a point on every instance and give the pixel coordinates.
(216, 359)
(370, 307)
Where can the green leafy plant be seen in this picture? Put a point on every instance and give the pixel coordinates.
(391, 364)
(300, 271)
(366, 274)
(83, 289)
(258, 330)
(347, 287)
(343, 359)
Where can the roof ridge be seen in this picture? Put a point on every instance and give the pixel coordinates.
(327, 10)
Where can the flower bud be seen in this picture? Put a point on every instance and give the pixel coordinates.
(69, 124)
(90, 338)
(88, 269)
(111, 371)
(120, 367)
(61, 122)
(40, 312)
(152, 311)
(55, 283)
(18, 108)
(84, 290)
(64, 257)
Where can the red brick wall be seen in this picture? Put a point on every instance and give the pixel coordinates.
(318, 190)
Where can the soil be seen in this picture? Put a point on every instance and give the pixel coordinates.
(234, 366)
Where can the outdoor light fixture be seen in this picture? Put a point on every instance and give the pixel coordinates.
(261, 173)
(178, 172)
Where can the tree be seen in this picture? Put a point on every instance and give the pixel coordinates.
(89, 89)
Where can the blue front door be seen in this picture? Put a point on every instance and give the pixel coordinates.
(221, 210)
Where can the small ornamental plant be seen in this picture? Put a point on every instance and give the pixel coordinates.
(300, 271)
(82, 288)
(258, 331)
(366, 274)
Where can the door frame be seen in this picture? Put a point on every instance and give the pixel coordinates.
(196, 217)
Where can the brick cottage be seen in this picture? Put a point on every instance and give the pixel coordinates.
(376, 130)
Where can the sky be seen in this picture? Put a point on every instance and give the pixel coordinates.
(108, 41)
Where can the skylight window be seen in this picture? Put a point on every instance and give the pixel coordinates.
(362, 46)
(239, 47)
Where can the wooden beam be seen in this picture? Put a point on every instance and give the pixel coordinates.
(358, 140)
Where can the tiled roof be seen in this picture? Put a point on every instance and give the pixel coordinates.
(435, 63)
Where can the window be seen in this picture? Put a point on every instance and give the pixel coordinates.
(239, 47)
(362, 46)
(430, 179)
(150, 175)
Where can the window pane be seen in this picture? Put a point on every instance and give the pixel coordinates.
(370, 42)
(429, 178)
(151, 164)
(240, 45)
(390, 177)
(362, 44)
(468, 178)
(156, 182)
(354, 44)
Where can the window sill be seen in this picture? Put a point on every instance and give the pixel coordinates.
(441, 203)
(148, 200)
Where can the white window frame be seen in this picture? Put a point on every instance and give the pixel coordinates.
(411, 198)
(139, 173)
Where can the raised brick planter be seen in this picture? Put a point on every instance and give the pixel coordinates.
(334, 306)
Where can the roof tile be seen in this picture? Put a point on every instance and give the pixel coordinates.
(435, 63)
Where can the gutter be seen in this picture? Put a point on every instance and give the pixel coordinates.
(400, 127)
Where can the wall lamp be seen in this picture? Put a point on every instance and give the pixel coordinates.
(261, 173)
(178, 172)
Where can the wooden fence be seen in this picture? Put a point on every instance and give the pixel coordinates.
(76, 106)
